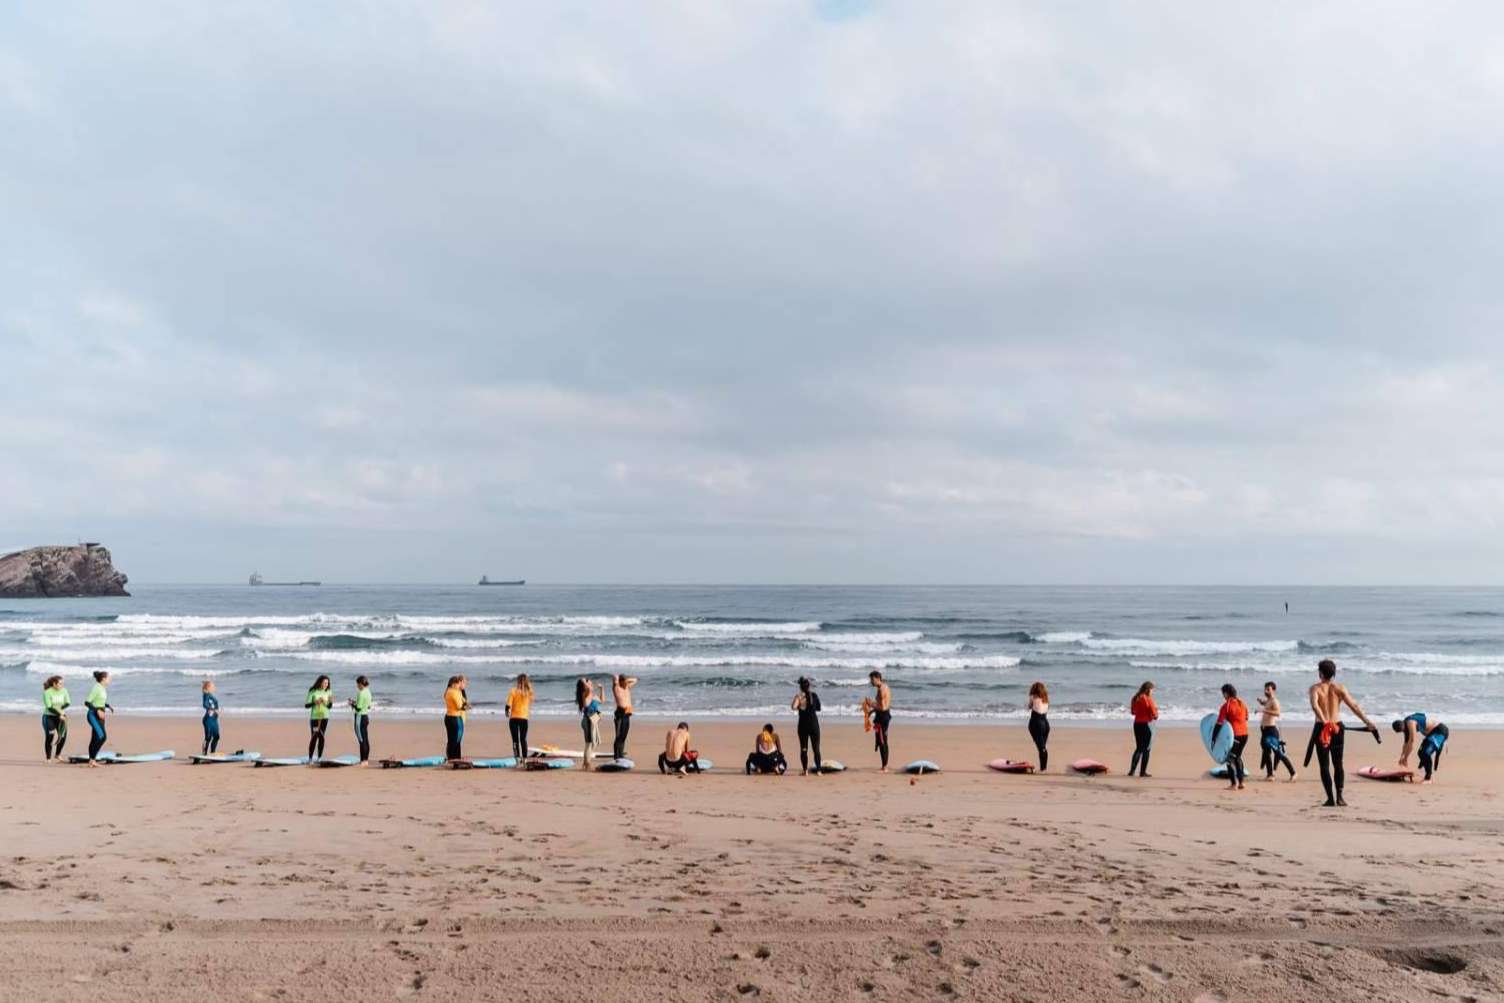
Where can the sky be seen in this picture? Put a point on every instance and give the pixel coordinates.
(838, 291)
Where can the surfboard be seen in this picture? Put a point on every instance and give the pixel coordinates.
(1218, 772)
(397, 764)
(1090, 767)
(705, 765)
(1390, 774)
(1223, 746)
(282, 761)
(332, 761)
(495, 763)
(832, 766)
(554, 752)
(225, 757)
(1010, 766)
(549, 764)
(621, 765)
(922, 766)
(115, 757)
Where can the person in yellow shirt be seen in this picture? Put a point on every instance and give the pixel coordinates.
(519, 704)
(456, 703)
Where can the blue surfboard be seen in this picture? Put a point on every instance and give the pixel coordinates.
(621, 765)
(282, 761)
(224, 757)
(337, 761)
(397, 764)
(549, 764)
(1224, 740)
(922, 766)
(500, 763)
(115, 757)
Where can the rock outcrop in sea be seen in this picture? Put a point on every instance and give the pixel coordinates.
(84, 570)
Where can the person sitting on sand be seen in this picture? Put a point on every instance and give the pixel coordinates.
(319, 701)
(587, 697)
(1271, 745)
(519, 705)
(879, 707)
(621, 692)
(211, 718)
(767, 753)
(1145, 713)
(807, 705)
(1327, 736)
(55, 703)
(1234, 714)
(677, 757)
(456, 704)
(98, 702)
(360, 712)
(1432, 736)
(1039, 723)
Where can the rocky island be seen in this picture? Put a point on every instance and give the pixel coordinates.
(41, 572)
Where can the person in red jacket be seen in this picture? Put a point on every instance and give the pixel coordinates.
(1144, 714)
(1234, 714)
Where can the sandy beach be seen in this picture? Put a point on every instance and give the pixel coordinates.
(169, 882)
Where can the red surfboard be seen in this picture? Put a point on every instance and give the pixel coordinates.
(1010, 766)
(1391, 774)
(1089, 766)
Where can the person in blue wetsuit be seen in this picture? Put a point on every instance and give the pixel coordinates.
(1432, 737)
(98, 703)
(211, 719)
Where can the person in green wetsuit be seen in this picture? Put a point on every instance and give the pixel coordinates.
(99, 704)
(320, 699)
(361, 706)
(54, 718)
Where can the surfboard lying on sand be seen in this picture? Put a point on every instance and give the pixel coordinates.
(282, 761)
(1090, 767)
(921, 766)
(495, 763)
(336, 761)
(397, 764)
(548, 764)
(553, 752)
(225, 757)
(621, 765)
(115, 757)
(1391, 774)
(1010, 766)
(832, 766)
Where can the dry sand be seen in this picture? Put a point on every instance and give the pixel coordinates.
(173, 882)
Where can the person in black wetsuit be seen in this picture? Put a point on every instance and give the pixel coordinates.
(1039, 722)
(807, 705)
(880, 706)
(1432, 738)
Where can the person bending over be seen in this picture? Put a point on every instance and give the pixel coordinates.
(767, 753)
(1327, 736)
(1432, 738)
(1234, 714)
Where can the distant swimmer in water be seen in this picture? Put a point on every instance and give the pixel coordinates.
(1039, 722)
(211, 718)
(319, 700)
(1271, 745)
(55, 703)
(1432, 736)
(767, 753)
(806, 704)
(677, 757)
(880, 707)
(621, 692)
(1327, 698)
(1287, 607)
(1234, 714)
(1145, 713)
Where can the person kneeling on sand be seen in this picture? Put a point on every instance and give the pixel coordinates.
(1432, 736)
(767, 753)
(677, 757)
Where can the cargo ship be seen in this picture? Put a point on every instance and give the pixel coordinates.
(486, 581)
(256, 579)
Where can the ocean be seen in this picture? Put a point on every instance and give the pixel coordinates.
(952, 654)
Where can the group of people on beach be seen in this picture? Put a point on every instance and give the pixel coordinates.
(1422, 736)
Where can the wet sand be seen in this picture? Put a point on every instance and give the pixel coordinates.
(173, 882)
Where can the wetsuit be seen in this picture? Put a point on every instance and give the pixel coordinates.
(881, 720)
(623, 720)
(766, 760)
(211, 723)
(1430, 743)
(362, 721)
(98, 702)
(54, 722)
(1328, 742)
(1144, 713)
(809, 730)
(1234, 713)
(1272, 751)
(1039, 730)
(318, 720)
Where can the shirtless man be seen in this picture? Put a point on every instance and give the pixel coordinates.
(621, 690)
(675, 755)
(1327, 698)
(882, 716)
(1271, 745)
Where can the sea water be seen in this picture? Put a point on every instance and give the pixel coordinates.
(951, 654)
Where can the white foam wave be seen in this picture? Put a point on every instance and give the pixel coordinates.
(1485, 666)
(748, 629)
(1145, 646)
(1063, 636)
(108, 653)
(938, 664)
(39, 668)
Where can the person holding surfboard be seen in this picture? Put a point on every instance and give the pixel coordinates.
(880, 706)
(1234, 714)
(55, 703)
(1327, 736)
(1145, 713)
(319, 701)
(807, 705)
(587, 697)
(360, 713)
(1039, 722)
(1271, 745)
(621, 692)
(519, 705)
(1432, 736)
(456, 704)
(211, 718)
(98, 702)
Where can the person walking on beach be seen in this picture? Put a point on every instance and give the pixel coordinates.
(1234, 714)
(360, 714)
(1432, 736)
(1039, 723)
(621, 692)
(98, 703)
(807, 705)
(1145, 713)
(879, 711)
(456, 704)
(519, 705)
(319, 700)
(767, 753)
(1271, 745)
(55, 703)
(587, 697)
(1327, 736)
(676, 757)
(211, 718)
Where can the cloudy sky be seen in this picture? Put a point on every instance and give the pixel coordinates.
(784, 291)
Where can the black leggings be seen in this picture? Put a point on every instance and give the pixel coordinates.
(623, 721)
(363, 735)
(1143, 735)
(667, 765)
(518, 727)
(1272, 754)
(1236, 772)
(316, 730)
(1430, 752)
(880, 721)
(809, 739)
(55, 735)
(98, 738)
(1039, 731)
(767, 762)
(1330, 761)
(454, 734)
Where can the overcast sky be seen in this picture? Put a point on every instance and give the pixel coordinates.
(805, 292)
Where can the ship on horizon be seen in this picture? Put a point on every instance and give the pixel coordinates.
(487, 581)
(256, 579)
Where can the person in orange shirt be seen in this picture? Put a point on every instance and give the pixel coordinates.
(456, 703)
(1144, 715)
(1234, 714)
(519, 704)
